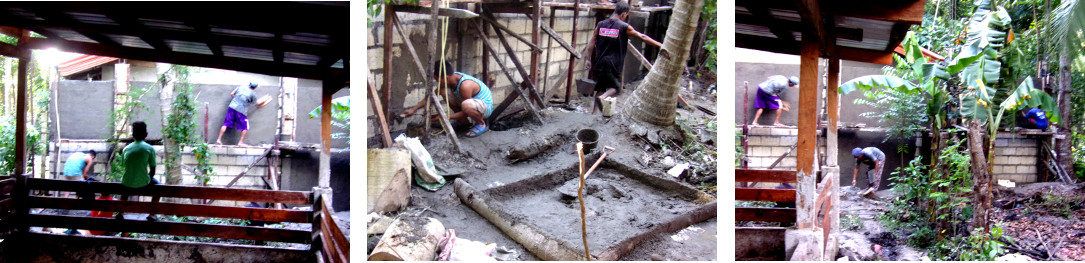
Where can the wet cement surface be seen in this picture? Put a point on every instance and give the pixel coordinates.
(635, 213)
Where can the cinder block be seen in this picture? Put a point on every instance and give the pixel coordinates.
(760, 151)
(780, 131)
(1028, 151)
(771, 140)
(998, 169)
(235, 151)
(254, 151)
(760, 131)
(789, 140)
(228, 160)
(1004, 151)
(1030, 178)
(788, 162)
(188, 159)
(219, 149)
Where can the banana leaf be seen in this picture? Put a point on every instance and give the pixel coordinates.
(871, 81)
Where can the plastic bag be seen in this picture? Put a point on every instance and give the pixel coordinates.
(421, 159)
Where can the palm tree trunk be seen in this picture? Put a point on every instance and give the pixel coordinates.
(1065, 160)
(654, 101)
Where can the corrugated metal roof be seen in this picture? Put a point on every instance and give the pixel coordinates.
(82, 63)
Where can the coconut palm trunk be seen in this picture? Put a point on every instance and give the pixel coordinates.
(655, 99)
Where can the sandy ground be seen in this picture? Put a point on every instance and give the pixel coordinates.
(862, 241)
(489, 168)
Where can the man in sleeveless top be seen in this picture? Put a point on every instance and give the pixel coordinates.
(473, 102)
(77, 166)
(607, 51)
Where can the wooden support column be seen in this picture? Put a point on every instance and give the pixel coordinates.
(832, 154)
(433, 48)
(572, 60)
(532, 94)
(325, 170)
(546, 70)
(807, 138)
(485, 35)
(536, 20)
(20, 107)
(389, 14)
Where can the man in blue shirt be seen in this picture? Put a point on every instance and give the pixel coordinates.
(875, 161)
(77, 166)
(472, 99)
(1037, 119)
(242, 99)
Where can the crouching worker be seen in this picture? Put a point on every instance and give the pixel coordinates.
(875, 161)
(139, 162)
(77, 167)
(472, 102)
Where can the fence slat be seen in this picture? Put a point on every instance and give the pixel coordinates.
(767, 176)
(214, 193)
(765, 214)
(172, 228)
(342, 245)
(771, 195)
(247, 213)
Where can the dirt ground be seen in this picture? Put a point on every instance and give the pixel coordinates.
(858, 244)
(490, 168)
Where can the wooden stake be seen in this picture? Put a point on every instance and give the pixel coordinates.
(572, 60)
(386, 137)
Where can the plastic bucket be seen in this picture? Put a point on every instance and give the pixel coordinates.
(589, 138)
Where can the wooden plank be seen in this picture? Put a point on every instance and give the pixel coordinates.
(389, 15)
(247, 213)
(636, 53)
(262, 156)
(20, 106)
(572, 60)
(536, 22)
(172, 228)
(789, 26)
(443, 119)
(771, 195)
(499, 28)
(341, 242)
(6, 204)
(194, 192)
(904, 11)
(767, 176)
(504, 104)
(765, 214)
(845, 53)
(449, 12)
(511, 53)
(508, 75)
(386, 137)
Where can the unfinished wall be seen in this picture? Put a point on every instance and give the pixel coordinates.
(465, 51)
(308, 130)
(768, 143)
(84, 109)
(301, 170)
(755, 73)
(1016, 158)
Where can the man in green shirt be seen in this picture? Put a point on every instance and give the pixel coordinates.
(138, 159)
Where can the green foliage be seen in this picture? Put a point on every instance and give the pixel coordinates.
(931, 200)
(755, 204)
(7, 144)
(181, 126)
(923, 237)
(204, 170)
(375, 7)
(739, 151)
(708, 13)
(340, 116)
(982, 246)
(851, 223)
(902, 110)
(123, 115)
(701, 157)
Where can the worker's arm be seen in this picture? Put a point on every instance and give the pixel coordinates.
(90, 163)
(633, 33)
(409, 112)
(855, 174)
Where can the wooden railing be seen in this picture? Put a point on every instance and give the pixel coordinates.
(333, 244)
(771, 195)
(172, 228)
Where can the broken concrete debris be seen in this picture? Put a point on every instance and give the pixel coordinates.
(677, 170)
(409, 239)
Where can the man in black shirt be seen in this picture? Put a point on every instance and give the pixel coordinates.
(607, 51)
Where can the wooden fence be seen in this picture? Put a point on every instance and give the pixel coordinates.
(765, 214)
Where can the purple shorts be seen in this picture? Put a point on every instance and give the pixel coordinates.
(236, 120)
(766, 101)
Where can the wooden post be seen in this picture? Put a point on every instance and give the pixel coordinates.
(433, 49)
(20, 107)
(807, 139)
(386, 137)
(546, 70)
(325, 171)
(536, 19)
(485, 34)
(572, 60)
(389, 13)
(832, 152)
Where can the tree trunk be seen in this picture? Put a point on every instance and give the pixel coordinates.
(654, 101)
(171, 149)
(980, 177)
(1065, 160)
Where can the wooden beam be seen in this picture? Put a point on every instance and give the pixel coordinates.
(845, 53)
(572, 60)
(767, 176)
(549, 51)
(248, 65)
(504, 104)
(332, 229)
(806, 151)
(262, 156)
(443, 119)
(897, 35)
(765, 214)
(636, 53)
(324, 175)
(903, 11)
(519, 90)
(386, 137)
(810, 11)
(193, 192)
(23, 55)
(449, 12)
(519, 66)
(536, 22)
(176, 229)
(127, 22)
(761, 16)
(770, 195)
(386, 70)
(495, 24)
(788, 26)
(246, 213)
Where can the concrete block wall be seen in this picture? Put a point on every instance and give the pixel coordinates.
(767, 144)
(464, 50)
(1017, 158)
(227, 162)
